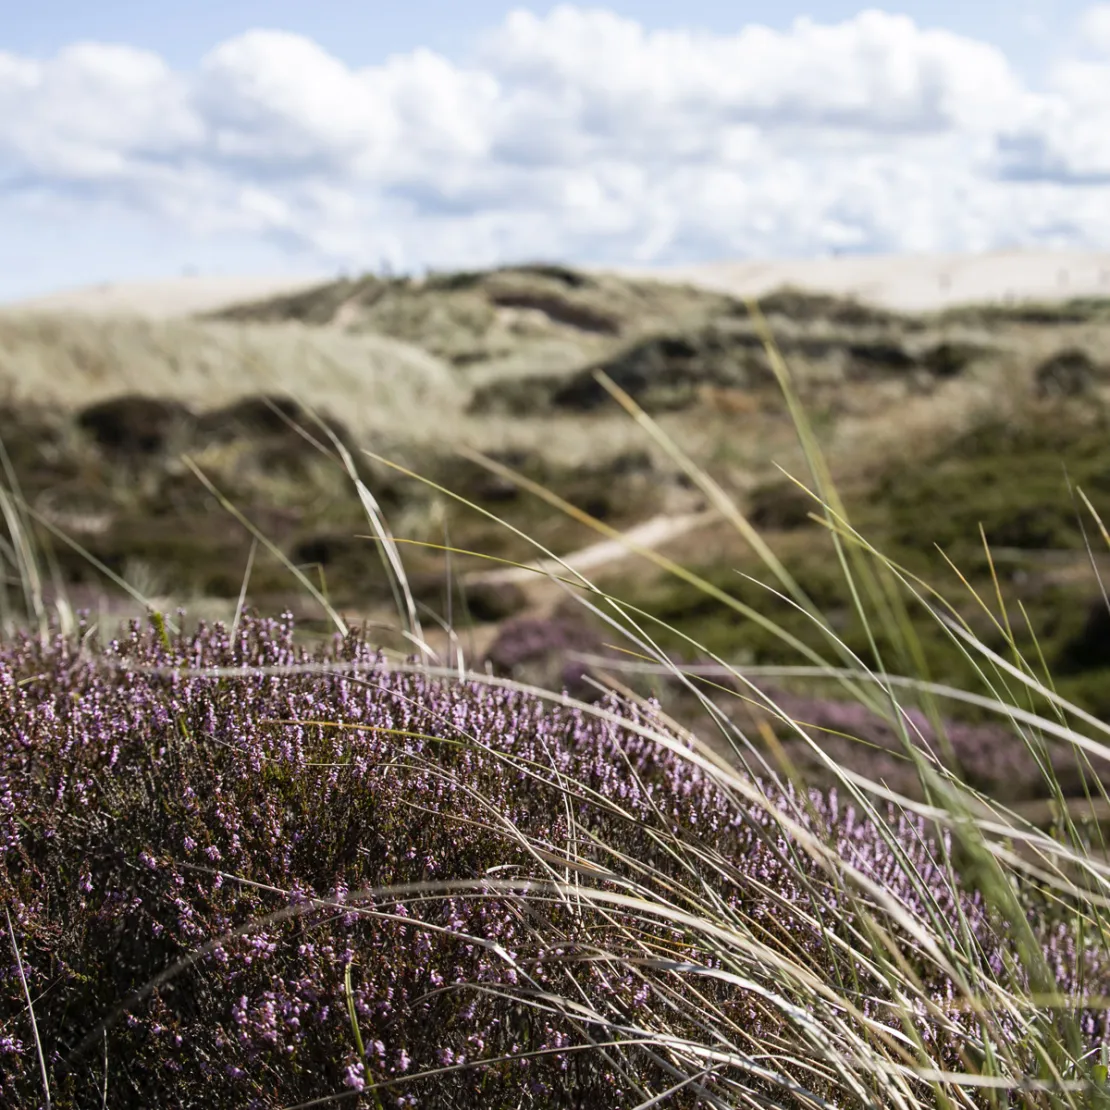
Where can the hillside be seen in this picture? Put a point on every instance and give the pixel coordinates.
(932, 423)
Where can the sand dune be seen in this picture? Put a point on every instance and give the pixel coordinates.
(906, 282)
(910, 282)
(166, 298)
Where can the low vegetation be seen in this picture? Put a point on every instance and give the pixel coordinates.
(797, 816)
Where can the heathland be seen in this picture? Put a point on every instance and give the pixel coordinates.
(287, 456)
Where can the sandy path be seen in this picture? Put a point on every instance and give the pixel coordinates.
(543, 593)
(651, 533)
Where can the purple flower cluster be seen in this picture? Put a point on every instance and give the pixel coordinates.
(168, 841)
(988, 756)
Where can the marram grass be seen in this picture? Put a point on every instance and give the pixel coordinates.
(237, 873)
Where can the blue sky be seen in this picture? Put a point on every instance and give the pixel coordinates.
(361, 32)
(138, 139)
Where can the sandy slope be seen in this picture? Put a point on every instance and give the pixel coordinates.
(910, 282)
(168, 297)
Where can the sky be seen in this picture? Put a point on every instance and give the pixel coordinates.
(142, 139)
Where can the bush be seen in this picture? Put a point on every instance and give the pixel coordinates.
(1008, 477)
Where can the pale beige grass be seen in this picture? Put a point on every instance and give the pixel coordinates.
(374, 384)
(168, 297)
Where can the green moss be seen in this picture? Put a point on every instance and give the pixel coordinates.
(1077, 310)
(1012, 480)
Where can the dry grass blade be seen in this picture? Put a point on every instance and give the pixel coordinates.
(333, 616)
(30, 1008)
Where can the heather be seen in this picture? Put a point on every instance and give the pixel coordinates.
(986, 755)
(151, 817)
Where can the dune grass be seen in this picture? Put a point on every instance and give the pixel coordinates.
(238, 873)
(372, 380)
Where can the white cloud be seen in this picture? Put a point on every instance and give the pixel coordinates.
(1066, 135)
(1094, 27)
(578, 135)
(93, 109)
(875, 72)
(277, 103)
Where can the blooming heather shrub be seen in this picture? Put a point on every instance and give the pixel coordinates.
(146, 816)
(989, 757)
(534, 649)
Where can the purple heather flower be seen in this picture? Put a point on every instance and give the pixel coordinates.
(355, 1076)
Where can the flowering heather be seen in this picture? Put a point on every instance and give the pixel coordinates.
(149, 817)
(988, 756)
(533, 650)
